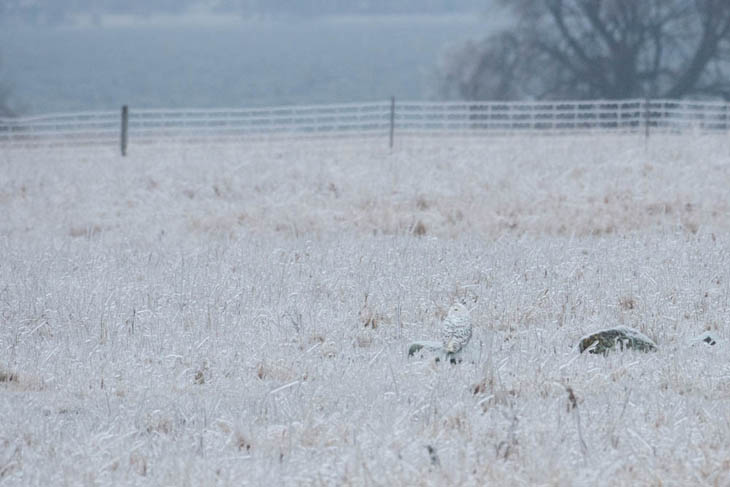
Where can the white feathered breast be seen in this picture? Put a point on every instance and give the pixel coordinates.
(456, 328)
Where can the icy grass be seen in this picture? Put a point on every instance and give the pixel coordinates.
(240, 315)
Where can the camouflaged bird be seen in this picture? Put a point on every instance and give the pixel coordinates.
(456, 330)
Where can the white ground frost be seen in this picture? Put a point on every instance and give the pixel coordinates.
(239, 314)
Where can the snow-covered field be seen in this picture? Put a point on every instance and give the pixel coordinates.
(240, 314)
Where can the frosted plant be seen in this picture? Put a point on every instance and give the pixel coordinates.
(456, 330)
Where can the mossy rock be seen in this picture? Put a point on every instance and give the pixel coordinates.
(707, 338)
(424, 347)
(619, 338)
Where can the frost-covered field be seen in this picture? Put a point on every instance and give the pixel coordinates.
(239, 315)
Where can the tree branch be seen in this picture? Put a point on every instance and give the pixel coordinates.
(714, 29)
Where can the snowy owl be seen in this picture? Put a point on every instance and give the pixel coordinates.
(456, 330)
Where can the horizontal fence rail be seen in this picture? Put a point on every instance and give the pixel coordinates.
(387, 119)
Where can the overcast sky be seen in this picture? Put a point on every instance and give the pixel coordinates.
(175, 54)
(52, 12)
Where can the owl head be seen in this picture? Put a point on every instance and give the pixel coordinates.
(458, 309)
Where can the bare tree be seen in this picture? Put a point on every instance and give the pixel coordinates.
(5, 92)
(5, 110)
(609, 49)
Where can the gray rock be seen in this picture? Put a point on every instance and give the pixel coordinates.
(618, 338)
(707, 338)
(425, 347)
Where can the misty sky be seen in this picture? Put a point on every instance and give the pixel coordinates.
(80, 62)
(53, 12)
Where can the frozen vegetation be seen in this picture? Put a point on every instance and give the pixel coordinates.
(241, 314)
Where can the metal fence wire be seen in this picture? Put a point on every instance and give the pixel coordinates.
(368, 120)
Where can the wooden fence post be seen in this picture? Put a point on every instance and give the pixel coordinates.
(392, 120)
(125, 125)
(647, 117)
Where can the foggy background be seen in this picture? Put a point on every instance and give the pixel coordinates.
(68, 55)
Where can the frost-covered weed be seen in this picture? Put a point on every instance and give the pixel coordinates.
(239, 314)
